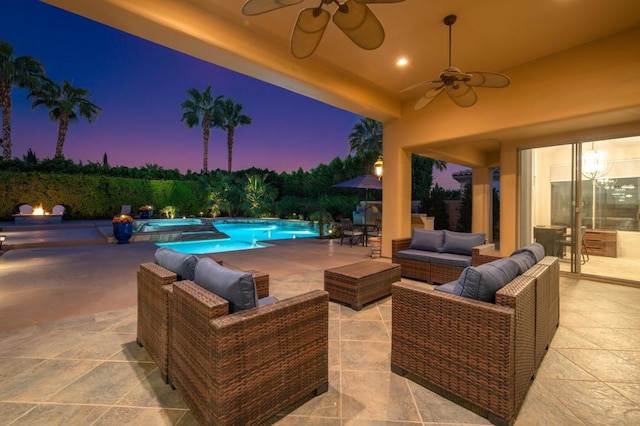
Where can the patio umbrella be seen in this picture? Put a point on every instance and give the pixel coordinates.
(365, 182)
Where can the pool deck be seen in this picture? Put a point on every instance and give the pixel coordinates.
(66, 233)
(57, 271)
(68, 353)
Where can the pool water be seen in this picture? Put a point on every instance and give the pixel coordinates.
(243, 236)
(210, 246)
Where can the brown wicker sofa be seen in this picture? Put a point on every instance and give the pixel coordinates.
(154, 290)
(438, 256)
(246, 367)
(479, 354)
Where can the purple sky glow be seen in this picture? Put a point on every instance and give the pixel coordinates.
(140, 85)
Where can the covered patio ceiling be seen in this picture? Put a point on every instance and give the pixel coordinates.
(492, 35)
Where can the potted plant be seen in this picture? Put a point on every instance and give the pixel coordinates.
(122, 228)
(145, 212)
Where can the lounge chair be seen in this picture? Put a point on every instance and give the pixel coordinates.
(26, 209)
(57, 209)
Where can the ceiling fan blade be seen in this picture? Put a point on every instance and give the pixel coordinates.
(463, 95)
(428, 97)
(308, 31)
(421, 84)
(360, 24)
(378, 1)
(488, 79)
(257, 7)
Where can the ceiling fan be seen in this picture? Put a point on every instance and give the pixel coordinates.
(458, 85)
(353, 17)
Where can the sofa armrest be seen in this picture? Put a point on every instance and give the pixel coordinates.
(461, 346)
(153, 293)
(484, 253)
(520, 294)
(157, 273)
(399, 244)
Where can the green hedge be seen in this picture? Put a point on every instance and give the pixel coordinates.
(96, 197)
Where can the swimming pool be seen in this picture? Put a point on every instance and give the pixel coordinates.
(245, 236)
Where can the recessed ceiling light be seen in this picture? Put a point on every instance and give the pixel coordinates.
(402, 62)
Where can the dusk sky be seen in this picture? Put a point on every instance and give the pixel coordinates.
(140, 85)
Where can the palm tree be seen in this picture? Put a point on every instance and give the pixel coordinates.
(366, 136)
(22, 72)
(231, 116)
(201, 107)
(66, 104)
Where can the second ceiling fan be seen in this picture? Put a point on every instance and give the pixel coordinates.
(458, 85)
(354, 18)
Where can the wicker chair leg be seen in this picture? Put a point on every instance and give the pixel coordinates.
(139, 343)
(321, 389)
(165, 378)
(398, 370)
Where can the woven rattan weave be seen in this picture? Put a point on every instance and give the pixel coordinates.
(361, 282)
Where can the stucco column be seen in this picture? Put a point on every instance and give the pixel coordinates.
(508, 199)
(482, 199)
(396, 190)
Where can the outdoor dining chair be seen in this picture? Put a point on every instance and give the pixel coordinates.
(348, 231)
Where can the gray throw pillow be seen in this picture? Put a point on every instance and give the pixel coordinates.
(426, 239)
(525, 260)
(461, 242)
(536, 249)
(482, 282)
(236, 287)
(183, 265)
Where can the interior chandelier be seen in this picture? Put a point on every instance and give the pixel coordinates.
(596, 164)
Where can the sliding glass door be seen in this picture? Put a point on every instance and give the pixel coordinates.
(580, 201)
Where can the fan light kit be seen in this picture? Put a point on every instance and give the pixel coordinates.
(354, 18)
(458, 85)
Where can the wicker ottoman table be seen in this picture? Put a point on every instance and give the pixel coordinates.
(361, 282)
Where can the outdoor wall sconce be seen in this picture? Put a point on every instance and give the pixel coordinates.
(377, 167)
(2, 238)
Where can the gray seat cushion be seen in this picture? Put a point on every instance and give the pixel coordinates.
(267, 300)
(411, 254)
(461, 242)
(449, 287)
(483, 281)
(450, 259)
(237, 287)
(183, 265)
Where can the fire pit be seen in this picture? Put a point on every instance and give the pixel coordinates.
(38, 217)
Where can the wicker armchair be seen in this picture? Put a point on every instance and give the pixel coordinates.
(154, 290)
(477, 354)
(246, 367)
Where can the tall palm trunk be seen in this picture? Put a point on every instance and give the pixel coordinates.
(206, 131)
(63, 128)
(230, 136)
(5, 107)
